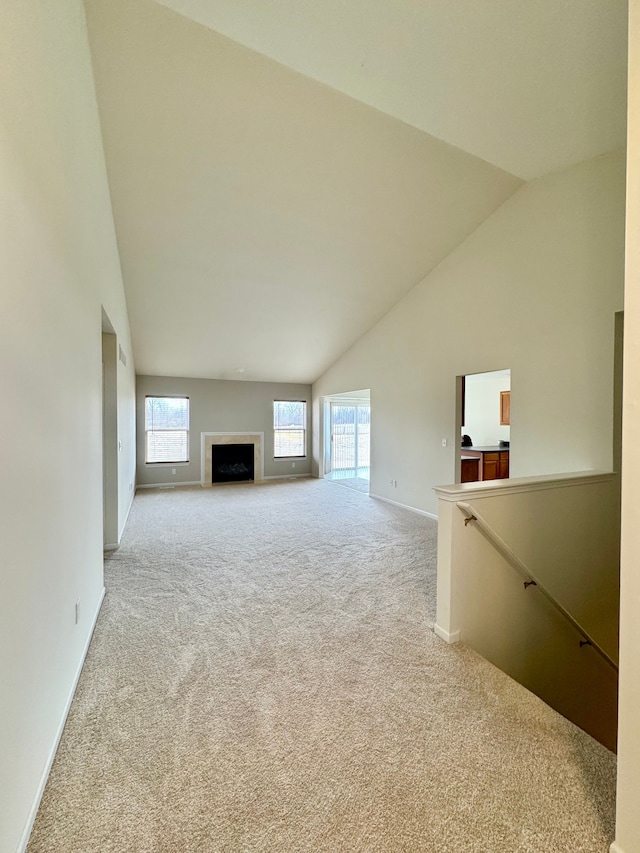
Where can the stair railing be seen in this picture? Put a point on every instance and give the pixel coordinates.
(472, 515)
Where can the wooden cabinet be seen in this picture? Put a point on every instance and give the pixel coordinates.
(490, 466)
(483, 465)
(469, 470)
(505, 408)
(504, 466)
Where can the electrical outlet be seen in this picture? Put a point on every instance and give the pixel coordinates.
(173, 470)
(77, 611)
(293, 464)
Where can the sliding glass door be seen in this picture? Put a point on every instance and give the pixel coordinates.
(350, 431)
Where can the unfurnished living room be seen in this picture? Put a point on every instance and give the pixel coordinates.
(320, 372)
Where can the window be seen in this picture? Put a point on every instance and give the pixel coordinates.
(289, 428)
(166, 424)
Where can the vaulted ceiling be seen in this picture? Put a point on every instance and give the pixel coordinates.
(283, 172)
(531, 86)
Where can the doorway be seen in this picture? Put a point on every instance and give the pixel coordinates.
(348, 425)
(484, 420)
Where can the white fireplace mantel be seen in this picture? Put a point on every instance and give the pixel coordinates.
(208, 439)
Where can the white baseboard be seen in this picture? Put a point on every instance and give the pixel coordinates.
(110, 546)
(126, 518)
(166, 485)
(404, 506)
(24, 840)
(198, 483)
(285, 476)
(451, 638)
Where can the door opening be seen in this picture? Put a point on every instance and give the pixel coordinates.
(348, 427)
(483, 416)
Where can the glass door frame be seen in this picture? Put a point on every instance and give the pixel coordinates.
(356, 432)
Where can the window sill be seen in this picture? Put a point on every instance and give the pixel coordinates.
(166, 464)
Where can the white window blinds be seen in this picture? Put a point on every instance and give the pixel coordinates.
(289, 428)
(166, 429)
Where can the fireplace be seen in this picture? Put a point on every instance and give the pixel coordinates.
(210, 441)
(232, 463)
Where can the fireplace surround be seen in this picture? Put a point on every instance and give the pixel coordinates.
(208, 439)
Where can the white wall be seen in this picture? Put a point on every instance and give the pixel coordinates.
(628, 806)
(59, 265)
(535, 289)
(482, 408)
(221, 405)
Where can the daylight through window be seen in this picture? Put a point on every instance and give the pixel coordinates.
(166, 424)
(289, 428)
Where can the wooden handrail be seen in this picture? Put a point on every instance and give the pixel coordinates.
(472, 515)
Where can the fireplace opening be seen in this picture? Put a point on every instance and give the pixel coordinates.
(231, 463)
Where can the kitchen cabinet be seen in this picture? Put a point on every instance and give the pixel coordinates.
(492, 463)
(503, 467)
(490, 466)
(505, 408)
(469, 470)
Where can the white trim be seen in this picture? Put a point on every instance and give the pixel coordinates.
(365, 401)
(164, 485)
(198, 483)
(285, 476)
(110, 546)
(615, 848)
(126, 518)
(451, 638)
(490, 488)
(24, 839)
(289, 458)
(404, 506)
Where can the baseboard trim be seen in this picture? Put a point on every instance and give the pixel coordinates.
(285, 476)
(615, 848)
(198, 483)
(165, 485)
(404, 506)
(126, 518)
(110, 546)
(24, 839)
(451, 638)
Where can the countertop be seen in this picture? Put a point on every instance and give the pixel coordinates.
(496, 449)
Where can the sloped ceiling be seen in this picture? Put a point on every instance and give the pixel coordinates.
(531, 86)
(266, 221)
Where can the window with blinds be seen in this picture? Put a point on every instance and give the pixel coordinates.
(289, 428)
(166, 425)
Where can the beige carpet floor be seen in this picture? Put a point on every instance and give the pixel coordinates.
(357, 483)
(263, 678)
